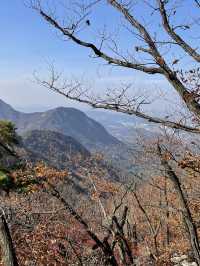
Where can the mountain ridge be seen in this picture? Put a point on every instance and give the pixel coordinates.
(66, 120)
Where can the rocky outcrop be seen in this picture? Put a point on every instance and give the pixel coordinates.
(182, 260)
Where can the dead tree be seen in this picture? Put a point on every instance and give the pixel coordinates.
(187, 216)
(6, 245)
(167, 213)
(115, 237)
(154, 230)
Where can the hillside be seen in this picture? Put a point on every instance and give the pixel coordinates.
(53, 147)
(53, 150)
(65, 153)
(68, 121)
(71, 123)
(61, 152)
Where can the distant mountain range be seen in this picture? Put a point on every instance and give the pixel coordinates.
(67, 121)
(55, 135)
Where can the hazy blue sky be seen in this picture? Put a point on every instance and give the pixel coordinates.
(27, 42)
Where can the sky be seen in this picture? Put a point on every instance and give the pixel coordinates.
(28, 43)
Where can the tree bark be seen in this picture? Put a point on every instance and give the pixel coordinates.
(7, 249)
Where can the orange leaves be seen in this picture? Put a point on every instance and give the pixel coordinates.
(191, 162)
(33, 178)
(42, 171)
(103, 185)
(167, 156)
(95, 195)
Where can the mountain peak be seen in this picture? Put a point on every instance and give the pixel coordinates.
(65, 120)
(68, 110)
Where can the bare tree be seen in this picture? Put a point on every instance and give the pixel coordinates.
(150, 54)
(115, 234)
(153, 229)
(187, 215)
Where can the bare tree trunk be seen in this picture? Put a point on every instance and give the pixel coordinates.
(154, 230)
(167, 214)
(7, 250)
(104, 246)
(190, 225)
(187, 216)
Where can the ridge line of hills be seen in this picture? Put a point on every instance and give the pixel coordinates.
(52, 135)
(65, 120)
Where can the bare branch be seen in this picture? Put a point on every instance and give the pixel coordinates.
(170, 75)
(97, 51)
(162, 67)
(197, 2)
(171, 31)
(107, 251)
(71, 94)
(187, 215)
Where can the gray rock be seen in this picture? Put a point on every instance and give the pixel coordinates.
(186, 263)
(178, 259)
